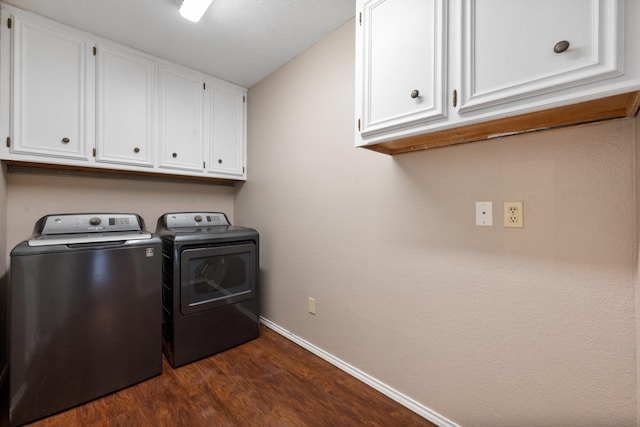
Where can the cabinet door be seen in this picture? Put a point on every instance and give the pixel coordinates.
(400, 63)
(518, 49)
(125, 107)
(51, 72)
(182, 125)
(227, 151)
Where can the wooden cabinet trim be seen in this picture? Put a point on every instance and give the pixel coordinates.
(612, 107)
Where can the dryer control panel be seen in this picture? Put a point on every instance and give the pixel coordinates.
(190, 219)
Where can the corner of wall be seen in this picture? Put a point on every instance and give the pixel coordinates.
(4, 258)
(4, 253)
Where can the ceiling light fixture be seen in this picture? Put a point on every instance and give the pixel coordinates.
(194, 9)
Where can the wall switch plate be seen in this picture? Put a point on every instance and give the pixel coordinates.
(311, 303)
(484, 213)
(514, 214)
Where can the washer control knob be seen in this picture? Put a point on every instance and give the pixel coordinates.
(95, 221)
(198, 218)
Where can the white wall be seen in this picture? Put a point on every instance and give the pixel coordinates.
(485, 325)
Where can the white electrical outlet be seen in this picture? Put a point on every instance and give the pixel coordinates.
(311, 305)
(484, 213)
(514, 214)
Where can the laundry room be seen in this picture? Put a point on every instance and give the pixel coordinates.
(375, 261)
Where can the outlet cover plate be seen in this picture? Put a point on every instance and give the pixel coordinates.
(484, 214)
(514, 214)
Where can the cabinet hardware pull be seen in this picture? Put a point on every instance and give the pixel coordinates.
(415, 93)
(561, 46)
(174, 155)
(65, 140)
(219, 161)
(136, 150)
(455, 98)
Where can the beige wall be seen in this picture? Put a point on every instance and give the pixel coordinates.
(485, 325)
(30, 196)
(3, 219)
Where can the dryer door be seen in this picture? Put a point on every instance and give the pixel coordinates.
(215, 276)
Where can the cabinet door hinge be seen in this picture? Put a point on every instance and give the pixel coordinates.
(95, 51)
(455, 98)
(94, 152)
(8, 141)
(9, 23)
(358, 125)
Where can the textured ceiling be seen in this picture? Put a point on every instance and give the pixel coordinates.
(241, 41)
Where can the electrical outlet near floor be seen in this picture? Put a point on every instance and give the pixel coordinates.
(514, 214)
(311, 303)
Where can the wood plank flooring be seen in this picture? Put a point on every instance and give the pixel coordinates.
(269, 381)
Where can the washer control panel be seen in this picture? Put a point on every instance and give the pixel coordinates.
(191, 219)
(83, 223)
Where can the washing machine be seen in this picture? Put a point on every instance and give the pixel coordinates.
(84, 312)
(209, 285)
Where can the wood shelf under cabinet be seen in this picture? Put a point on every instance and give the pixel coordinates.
(105, 172)
(612, 107)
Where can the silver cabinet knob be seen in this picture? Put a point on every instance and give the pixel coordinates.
(561, 46)
(65, 140)
(415, 93)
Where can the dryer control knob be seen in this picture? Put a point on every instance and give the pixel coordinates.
(198, 218)
(95, 221)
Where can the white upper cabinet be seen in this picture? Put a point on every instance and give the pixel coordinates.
(51, 91)
(228, 112)
(425, 69)
(77, 100)
(401, 63)
(182, 119)
(520, 48)
(125, 106)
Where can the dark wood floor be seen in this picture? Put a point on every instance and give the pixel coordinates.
(269, 381)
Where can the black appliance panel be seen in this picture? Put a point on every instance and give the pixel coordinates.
(215, 318)
(84, 322)
(216, 276)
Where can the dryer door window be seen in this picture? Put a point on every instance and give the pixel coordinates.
(216, 276)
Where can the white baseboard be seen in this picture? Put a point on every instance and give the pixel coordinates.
(383, 388)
